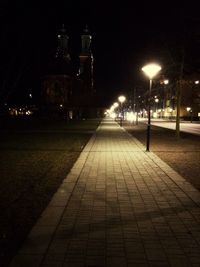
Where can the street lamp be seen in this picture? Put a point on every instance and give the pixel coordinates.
(166, 81)
(121, 99)
(116, 104)
(156, 106)
(150, 70)
(170, 113)
(189, 110)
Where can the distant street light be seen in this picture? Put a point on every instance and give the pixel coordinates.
(189, 110)
(116, 104)
(121, 99)
(156, 106)
(164, 96)
(150, 70)
(170, 113)
(166, 81)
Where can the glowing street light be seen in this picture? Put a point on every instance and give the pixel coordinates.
(116, 104)
(150, 70)
(121, 99)
(166, 81)
(189, 110)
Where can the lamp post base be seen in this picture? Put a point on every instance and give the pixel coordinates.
(148, 137)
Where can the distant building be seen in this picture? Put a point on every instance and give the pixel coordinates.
(189, 98)
(166, 96)
(69, 89)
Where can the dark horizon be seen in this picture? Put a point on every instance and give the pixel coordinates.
(125, 36)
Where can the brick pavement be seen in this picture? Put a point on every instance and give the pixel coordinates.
(118, 206)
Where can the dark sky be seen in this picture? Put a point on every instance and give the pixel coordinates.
(125, 36)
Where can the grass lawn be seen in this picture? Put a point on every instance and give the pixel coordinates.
(35, 157)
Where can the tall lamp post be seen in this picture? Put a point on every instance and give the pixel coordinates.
(116, 105)
(166, 82)
(189, 110)
(121, 99)
(150, 70)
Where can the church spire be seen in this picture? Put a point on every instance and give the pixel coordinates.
(86, 60)
(86, 39)
(62, 47)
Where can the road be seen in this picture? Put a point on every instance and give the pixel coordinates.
(188, 127)
(193, 128)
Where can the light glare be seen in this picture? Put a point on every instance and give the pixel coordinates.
(151, 70)
(166, 81)
(116, 104)
(121, 98)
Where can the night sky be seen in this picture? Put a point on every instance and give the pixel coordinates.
(126, 35)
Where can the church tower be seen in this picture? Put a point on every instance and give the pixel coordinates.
(86, 62)
(57, 84)
(62, 52)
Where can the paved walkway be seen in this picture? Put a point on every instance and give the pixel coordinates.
(119, 206)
